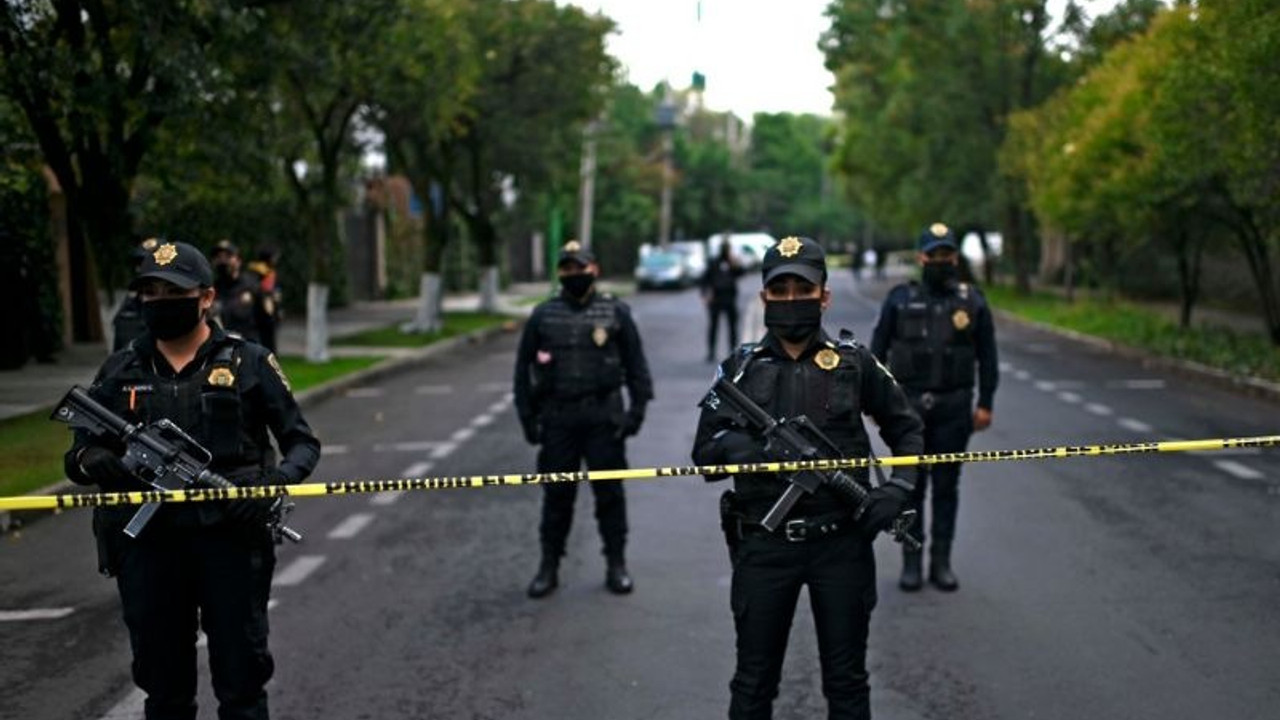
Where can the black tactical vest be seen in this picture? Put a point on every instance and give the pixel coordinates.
(933, 340)
(583, 345)
(237, 306)
(831, 399)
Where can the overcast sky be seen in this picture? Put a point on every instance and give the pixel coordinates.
(757, 55)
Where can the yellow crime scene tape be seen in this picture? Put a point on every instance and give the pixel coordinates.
(349, 487)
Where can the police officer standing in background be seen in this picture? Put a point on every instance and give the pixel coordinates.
(242, 307)
(720, 295)
(576, 353)
(797, 369)
(931, 334)
(265, 265)
(200, 564)
(127, 323)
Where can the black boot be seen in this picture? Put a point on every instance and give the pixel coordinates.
(616, 577)
(545, 581)
(912, 575)
(940, 571)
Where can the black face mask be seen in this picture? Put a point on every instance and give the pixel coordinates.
(938, 275)
(171, 318)
(793, 320)
(578, 284)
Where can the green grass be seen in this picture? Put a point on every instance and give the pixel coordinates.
(303, 374)
(31, 449)
(455, 323)
(1235, 352)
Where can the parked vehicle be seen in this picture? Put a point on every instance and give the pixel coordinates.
(661, 269)
(747, 248)
(694, 253)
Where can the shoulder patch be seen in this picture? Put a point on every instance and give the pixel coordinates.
(275, 365)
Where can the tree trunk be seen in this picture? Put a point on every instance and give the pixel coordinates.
(1015, 240)
(1254, 246)
(486, 239)
(317, 322)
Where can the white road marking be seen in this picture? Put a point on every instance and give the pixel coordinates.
(298, 570)
(442, 450)
(368, 392)
(1135, 425)
(499, 407)
(1244, 472)
(494, 387)
(35, 614)
(1098, 409)
(482, 420)
(386, 497)
(433, 389)
(1046, 385)
(351, 527)
(130, 708)
(1022, 374)
(1069, 397)
(1138, 384)
(1006, 367)
(334, 449)
(462, 435)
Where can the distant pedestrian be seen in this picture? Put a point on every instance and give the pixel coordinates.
(576, 354)
(933, 334)
(720, 295)
(241, 306)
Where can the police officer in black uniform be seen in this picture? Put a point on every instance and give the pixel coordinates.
(242, 307)
(797, 369)
(205, 565)
(931, 334)
(720, 294)
(578, 350)
(127, 323)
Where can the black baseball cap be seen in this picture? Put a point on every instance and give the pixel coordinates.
(144, 248)
(225, 246)
(795, 256)
(175, 262)
(574, 251)
(937, 236)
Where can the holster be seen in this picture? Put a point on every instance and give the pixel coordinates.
(730, 522)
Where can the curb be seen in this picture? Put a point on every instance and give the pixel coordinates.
(315, 395)
(1252, 386)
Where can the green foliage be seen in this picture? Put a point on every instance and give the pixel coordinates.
(303, 374)
(455, 323)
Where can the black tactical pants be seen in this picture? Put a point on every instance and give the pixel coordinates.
(716, 308)
(220, 577)
(569, 437)
(948, 424)
(767, 575)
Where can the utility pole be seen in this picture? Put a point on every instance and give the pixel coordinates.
(587, 183)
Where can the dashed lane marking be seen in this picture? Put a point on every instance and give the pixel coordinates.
(367, 392)
(351, 527)
(1022, 374)
(1135, 425)
(1098, 409)
(482, 420)
(433, 389)
(462, 435)
(334, 449)
(409, 446)
(442, 450)
(1069, 397)
(35, 614)
(1244, 472)
(494, 387)
(298, 570)
(499, 407)
(1138, 384)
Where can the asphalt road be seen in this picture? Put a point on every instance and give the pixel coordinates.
(1120, 587)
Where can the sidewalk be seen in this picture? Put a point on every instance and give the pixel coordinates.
(36, 386)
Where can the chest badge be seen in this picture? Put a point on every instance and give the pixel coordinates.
(827, 359)
(960, 319)
(600, 335)
(221, 377)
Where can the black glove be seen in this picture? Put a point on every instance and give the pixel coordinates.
(532, 430)
(106, 469)
(884, 505)
(631, 422)
(255, 513)
(738, 448)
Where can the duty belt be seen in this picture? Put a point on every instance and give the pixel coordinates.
(805, 529)
(929, 398)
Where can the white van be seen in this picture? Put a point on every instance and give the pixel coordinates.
(747, 248)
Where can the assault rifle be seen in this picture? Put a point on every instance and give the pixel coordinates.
(796, 440)
(160, 454)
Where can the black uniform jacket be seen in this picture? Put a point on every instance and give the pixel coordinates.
(833, 398)
(138, 384)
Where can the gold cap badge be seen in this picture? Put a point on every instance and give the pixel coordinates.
(600, 335)
(938, 230)
(960, 319)
(827, 359)
(150, 244)
(572, 246)
(165, 254)
(789, 246)
(221, 377)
